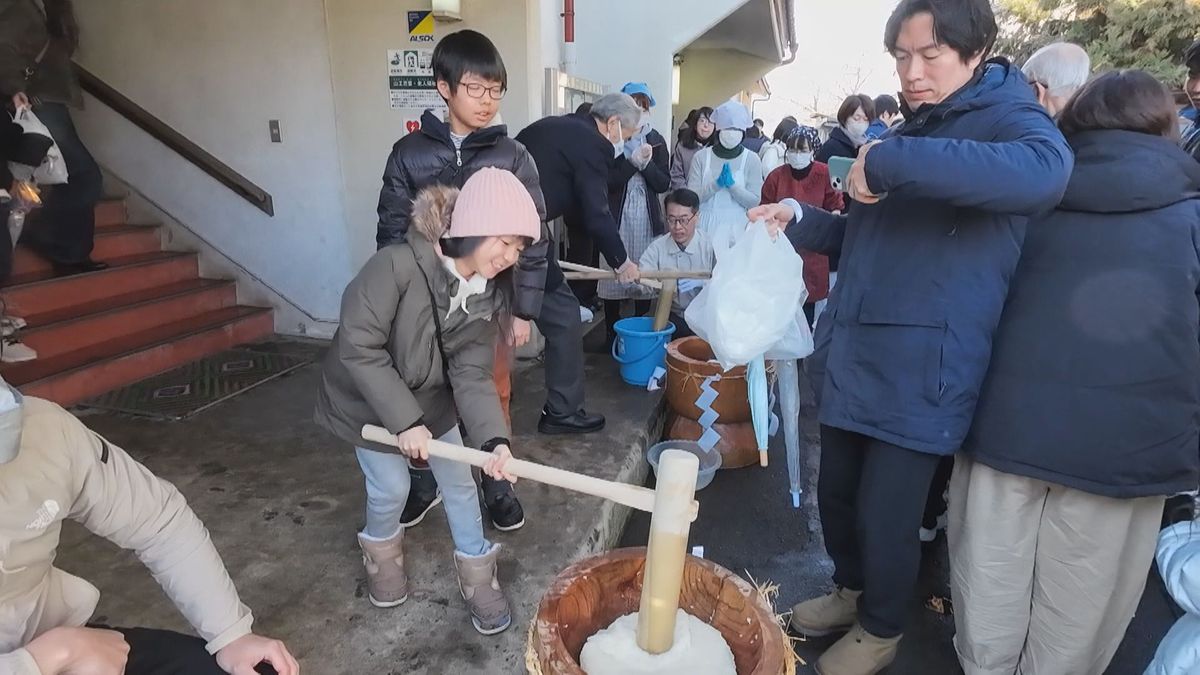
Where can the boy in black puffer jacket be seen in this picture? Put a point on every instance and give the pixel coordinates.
(472, 79)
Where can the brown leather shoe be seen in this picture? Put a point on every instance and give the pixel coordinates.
(387, 583)
(858, 653)
(826, 615)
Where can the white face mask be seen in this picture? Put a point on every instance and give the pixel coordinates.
(644, 121)
(729, 138)
(619, 144)
(799, 160)
(857, 131)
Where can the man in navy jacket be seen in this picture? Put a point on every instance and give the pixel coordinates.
(928, 252)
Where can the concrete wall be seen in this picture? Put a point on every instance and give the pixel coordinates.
(218, 71)
(624, 40)
(709, 77)
(360, 33)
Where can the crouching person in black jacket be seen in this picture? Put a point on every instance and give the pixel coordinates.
(472, 79)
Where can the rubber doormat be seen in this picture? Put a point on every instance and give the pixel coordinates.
(193, 388)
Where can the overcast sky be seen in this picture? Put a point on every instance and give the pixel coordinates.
(841, 45)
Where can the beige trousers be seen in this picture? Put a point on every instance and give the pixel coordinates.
(1045, 579)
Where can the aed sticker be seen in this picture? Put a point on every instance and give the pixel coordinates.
(420, 26)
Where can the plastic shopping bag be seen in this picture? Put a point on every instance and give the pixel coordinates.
(53, 169)
(752, 300)
(1178, 557)
(797, 341)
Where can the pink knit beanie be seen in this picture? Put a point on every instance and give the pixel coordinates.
(494, 203)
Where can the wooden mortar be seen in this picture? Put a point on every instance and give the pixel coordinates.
(589, 595)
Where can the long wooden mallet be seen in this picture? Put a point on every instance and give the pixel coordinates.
(633, 496)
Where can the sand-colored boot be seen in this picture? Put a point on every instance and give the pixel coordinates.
(480, 588)
(387, 583)
(826, 615)
(858, 653)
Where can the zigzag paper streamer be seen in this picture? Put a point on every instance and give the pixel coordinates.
(708, 440)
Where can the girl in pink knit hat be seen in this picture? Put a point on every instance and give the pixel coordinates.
(414, 353)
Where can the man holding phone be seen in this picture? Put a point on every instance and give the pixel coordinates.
(901, 357)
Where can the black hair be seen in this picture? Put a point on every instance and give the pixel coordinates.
(467, 51)
(689, 138)
(759, 123)
(885, 104)
(851, 106)
(1191, 59)
(966, 26)
(461, 247)
(754, 132)
(683, 197)
(584, 108)
(784, 128)
(1132, 100)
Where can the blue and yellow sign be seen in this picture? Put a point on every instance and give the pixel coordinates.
(420, 26)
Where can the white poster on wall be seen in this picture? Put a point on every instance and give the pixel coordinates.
(410, 81)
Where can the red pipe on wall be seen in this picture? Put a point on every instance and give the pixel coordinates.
(568, 20)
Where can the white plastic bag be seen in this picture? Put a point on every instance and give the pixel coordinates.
(1178, 557)
(753, 299)
(53, 169)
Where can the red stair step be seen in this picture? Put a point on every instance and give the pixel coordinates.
(111, 242)
(78, 326)
(41, 291)
(81, 374)
(111, 212)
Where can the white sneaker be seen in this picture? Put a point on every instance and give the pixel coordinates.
(13, 350)
(11, 324)
(585, 315)
(927, 536)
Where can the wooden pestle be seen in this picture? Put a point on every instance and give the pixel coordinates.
(666, 551)
(633, 496)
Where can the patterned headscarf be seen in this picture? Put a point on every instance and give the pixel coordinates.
(810, 133)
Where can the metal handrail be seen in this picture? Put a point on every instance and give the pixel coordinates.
(168, 136)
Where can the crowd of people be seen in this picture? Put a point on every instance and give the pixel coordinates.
(1007, 342)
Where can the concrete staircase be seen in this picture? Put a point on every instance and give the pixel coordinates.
(149, 312)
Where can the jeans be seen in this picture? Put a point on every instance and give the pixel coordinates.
(871, 495)
(64, 229)
(388, 483)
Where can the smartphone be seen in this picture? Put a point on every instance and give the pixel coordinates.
(839, 172)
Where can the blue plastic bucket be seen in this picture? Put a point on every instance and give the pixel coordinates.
(640, 349)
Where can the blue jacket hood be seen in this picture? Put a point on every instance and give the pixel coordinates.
(1119, 171)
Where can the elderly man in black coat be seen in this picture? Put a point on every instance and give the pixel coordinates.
(574, 154)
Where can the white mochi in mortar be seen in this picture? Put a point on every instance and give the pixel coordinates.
(699, 649)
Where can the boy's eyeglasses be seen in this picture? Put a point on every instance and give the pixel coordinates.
(475, 90)
(679, 221)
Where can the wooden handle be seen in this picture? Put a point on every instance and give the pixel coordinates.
(662, 313)
(601, 275)
(633, 496)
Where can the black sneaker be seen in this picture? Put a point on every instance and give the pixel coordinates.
(422, 496)
(502, 505)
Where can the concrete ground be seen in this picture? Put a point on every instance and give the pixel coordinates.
(747, 525)
(283, 501)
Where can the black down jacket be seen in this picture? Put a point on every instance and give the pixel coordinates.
(428, 157)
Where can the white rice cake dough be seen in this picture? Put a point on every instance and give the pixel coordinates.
(699, 649)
